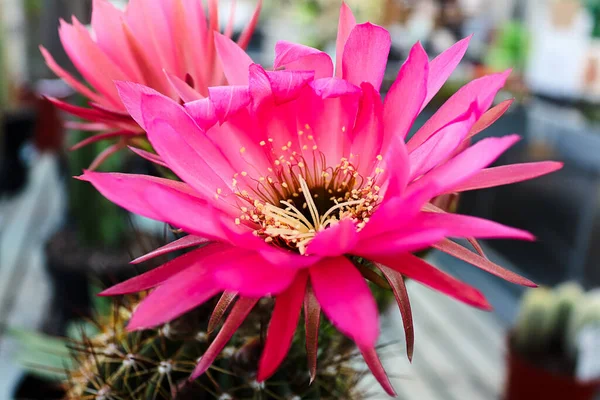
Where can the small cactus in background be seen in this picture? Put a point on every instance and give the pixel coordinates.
(156, 363)
(550, 322)
(585, 314)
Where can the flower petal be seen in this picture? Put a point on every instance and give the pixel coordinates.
(458, 251)
(374, 364)
(406, 95)
(202, 112)
(183, 89)
(396, 281)
(463, 226)
(297, 57)
(406, 240)
(251, 275)
(441, 67)
(68, 78)
(312, 319)
(465, 165)
(176, 245)
(505, 174)
(286, 85)
(164, 272)
(110, 38)
(336, 240)
(346, 23)
(346, 299)
(95, 66)
(367, 135)
(281, 330)
(365, 54)
(218, 313)
(178, 295)
(246, 34)
(327, 112)
(482, 91)
(419, 270)
(227, 100)
(149, 156)
(490, 116)
(238, 314)
(441, 144)
(234, 59)
(160, 199)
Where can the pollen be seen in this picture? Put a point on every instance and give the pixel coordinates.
(262, 143)
(242, 150)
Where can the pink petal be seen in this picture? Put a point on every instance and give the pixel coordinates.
(346, 299)
(312, 319)
(368, 131)
(99, 137)
(441, 144)
(490, 116)
(396, 281)
(178, 295)
(106, 154)
(336, 240)
(505, 174)
(160, 199)
(374, 364)
(161, 274)
(107, 26)
(395, 241)
(481, 91)
(406, 95)
(176, 245)
(68, 78)
(456, 250)
(346, 23)
(365, 54)
(86, 126)
(466, 164)
(218, 313)
(238, 314)
(441, 67)
(184, 91)
(86, 113)
(457, 225)
(286, 85)
(246, 34)
(281, 330)
(95, 66)
(227, 100)
(202, 112)
(250, 275)
(329, 111)
(419, 270)
(143, 56)
(397, 168)
(131, 96)
(149, 156)
(234, 59)
(297, 57)
(184, 147)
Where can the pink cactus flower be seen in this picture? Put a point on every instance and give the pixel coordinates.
(167, 45)
(290, 177)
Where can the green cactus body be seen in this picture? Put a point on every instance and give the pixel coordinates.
(156, 363)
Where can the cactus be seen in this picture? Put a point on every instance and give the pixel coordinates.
(585, 313)
(532, 330)
(156, 364)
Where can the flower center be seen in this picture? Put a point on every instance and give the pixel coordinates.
(292, 209)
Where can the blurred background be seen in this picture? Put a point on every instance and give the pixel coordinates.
(59, 241)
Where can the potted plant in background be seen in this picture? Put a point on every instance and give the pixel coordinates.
(551, 348)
